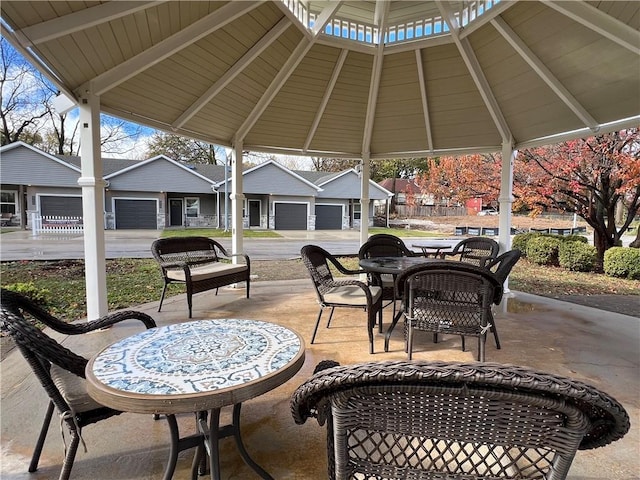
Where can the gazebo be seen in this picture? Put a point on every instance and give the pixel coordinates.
(354, 79)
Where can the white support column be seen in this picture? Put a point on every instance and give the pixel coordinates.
(506, 200)
(237, 200)
(506, 196)
(364, 198)
(93, 187)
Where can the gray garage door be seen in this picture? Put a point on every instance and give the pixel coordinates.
(135, 214)
(291, 216)
(61, 206)
(328, 217)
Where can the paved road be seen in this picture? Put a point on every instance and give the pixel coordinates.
(22, 245)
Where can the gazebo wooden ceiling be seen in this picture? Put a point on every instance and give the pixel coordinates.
(346, 78)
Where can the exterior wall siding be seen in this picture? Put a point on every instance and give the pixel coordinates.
(160, 176)
(22, 166)
(273, 180)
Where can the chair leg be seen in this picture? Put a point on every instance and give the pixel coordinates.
(494, 329)
(315, 330)
(67, 465)
(330, 316)
(410, 342)
(482, 340)
(371, 322)
(464, 347)
(164, 290)
(33, 466)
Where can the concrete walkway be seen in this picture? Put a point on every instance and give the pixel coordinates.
(597, 347)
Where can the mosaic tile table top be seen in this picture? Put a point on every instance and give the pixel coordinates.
(207, 363)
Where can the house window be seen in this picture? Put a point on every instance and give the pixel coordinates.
(192, 206)
(357, 208)
(8, 201)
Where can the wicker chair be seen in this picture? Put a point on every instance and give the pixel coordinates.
(384, 245)
(448, 297)
(59, 370)
(476, 250)
(441, 420)
(332, 293)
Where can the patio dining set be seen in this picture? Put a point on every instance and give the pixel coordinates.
(388, 419)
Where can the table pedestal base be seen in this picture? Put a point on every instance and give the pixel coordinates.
(206, 441)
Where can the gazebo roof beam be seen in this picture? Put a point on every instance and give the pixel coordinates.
(543, 72)
(324, 17)
(600, 22)
(234, 71)
(423, 96)
(277, 83)
(325, 99)
(164, 49)
(375, 77)
(474, 68)
(80, 20)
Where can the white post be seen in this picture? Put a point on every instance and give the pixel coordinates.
(364, 198)
(506, 200)
(93, 187)
(237, 200)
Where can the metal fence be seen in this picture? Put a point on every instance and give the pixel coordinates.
(55, 224)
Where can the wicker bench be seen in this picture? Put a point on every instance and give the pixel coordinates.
(200, 263)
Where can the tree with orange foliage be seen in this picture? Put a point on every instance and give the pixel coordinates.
(460, 178)
(590, 177)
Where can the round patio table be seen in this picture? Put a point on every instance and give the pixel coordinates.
(437, 248)
(200, 367)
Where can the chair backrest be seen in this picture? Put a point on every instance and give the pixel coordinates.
(186, 249)
(40, 350)
(501, 265)
(316, 260)
(449, 297)
(384, 245)
(402, 419)
(477, 250)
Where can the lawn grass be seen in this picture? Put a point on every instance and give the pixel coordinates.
(216, 233)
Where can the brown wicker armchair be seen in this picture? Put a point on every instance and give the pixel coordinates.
(60, 371)
(448, 297)
(197, 262)
(441, 420)
(476, 250)
(332, 293)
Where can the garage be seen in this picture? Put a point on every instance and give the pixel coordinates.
(135, 214)
(328, 217)
(290, 216)
(55, 205)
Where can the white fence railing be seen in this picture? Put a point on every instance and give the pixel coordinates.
(55, 224)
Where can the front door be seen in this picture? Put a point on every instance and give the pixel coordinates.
(254, 213)
(175, 212)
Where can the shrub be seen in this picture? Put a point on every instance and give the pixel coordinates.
(575, 238)
(577, 256)
(543, 250)
(521, 240)
(37, 295)
(622, 262)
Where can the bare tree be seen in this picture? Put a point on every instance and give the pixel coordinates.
(23, 98)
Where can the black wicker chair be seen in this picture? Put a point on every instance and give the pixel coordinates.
(476, 250)
(384, 245)
(442, 420)
(60, 371)
(448, 297)
(334, 293)
(198, 263)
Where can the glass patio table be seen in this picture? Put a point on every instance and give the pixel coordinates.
(200, 367)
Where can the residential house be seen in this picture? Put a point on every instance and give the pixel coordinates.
(160, 192)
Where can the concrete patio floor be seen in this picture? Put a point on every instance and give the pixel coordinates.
(595, 346)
